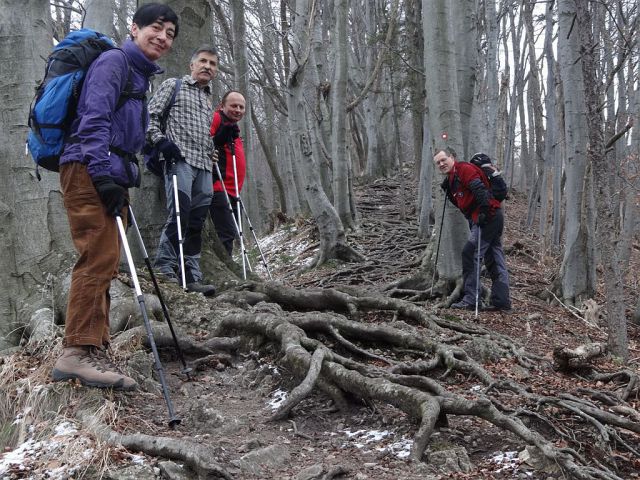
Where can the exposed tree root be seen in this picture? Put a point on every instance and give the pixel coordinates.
(305, 342)
(305, 388)
(198, 457)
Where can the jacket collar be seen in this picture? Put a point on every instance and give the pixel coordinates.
(139, 61)
(192, 81)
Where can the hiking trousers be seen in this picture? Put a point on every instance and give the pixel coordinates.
(224, 220)
(96, 238)
(195, 189)
(493, 254)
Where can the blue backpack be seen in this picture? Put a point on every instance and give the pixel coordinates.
(56, 100)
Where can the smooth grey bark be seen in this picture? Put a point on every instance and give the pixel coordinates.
(254, 192)
(468, 73)
(425, 199)
(339, 151)
(320, 99)
(550, 151)
(33, 226)
(607, 233)
(515, 105)
(415, 77)
(635, 150)
(99, 16)
(577, 272)
(491, 76)
(443, 107)
(267, 128)
(377, 158)
(319, 76)
(537, 194)
(331, 232)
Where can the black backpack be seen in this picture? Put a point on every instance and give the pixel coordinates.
(499, 188)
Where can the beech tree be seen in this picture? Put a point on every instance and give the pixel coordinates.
(577, 273)
(34, 229)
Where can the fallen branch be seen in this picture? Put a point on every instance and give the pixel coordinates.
(568, 359)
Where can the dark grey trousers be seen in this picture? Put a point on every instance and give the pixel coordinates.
(492, 253)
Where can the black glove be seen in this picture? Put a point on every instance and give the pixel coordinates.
(169, 150)
(112, 195)
(483, 218)
(227, 132)
(445, 184)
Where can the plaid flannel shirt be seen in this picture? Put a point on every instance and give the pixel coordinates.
(188, 121)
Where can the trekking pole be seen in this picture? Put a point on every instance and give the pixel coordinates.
(239, 218)
(186, 370)
(246, 215)
(233, 217)
(173, 419)
(176, 200)
(435, 265)
(478, 272)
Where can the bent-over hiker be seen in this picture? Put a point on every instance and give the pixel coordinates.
(470, 192)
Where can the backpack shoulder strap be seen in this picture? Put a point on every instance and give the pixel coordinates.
(165, 112)
(129, 92)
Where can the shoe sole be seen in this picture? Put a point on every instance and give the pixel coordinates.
(59, 376)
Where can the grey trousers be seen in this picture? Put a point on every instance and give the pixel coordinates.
(195, 190)
(493, 254)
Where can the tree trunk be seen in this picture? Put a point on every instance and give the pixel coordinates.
(331, 232)
(443, 106)
(99, 16)
(33, 227)
(578, 266)
(339, 151)
(607, 232)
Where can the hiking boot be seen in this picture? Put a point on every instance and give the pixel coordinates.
(89, 366)
(199, 287)
(462, 305)
(496, 308)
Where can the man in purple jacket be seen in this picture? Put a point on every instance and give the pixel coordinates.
(96, 169)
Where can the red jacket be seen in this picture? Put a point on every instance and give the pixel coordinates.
(225, 136)
(470, 191)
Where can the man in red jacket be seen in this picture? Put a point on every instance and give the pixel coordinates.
(232, 164)
(470, 191)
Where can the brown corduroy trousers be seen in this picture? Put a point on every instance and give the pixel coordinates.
(95, 237)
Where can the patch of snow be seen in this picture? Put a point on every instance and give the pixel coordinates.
(137, 459)
(508, 460)
(279, 396)
(402, 448)
(16, 456)
(363, 438)
(476, 388)
(65, 428)
(31, 451)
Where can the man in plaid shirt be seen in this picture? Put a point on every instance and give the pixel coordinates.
(186, 146)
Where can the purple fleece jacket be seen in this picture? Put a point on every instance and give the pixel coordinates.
(99, 128)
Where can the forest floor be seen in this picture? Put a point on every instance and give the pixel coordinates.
(227, 403)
